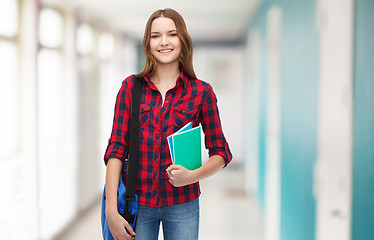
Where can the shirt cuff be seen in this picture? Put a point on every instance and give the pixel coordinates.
(223, 152)
(115, 150)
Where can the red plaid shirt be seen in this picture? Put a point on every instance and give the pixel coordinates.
(191, 100)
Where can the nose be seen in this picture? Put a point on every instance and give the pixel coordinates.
(164, 41)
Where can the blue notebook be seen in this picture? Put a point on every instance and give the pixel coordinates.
(187, 148)
(186, 127)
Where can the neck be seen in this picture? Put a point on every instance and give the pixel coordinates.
(165, 73)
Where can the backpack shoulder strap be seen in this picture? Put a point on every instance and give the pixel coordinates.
(134, 137)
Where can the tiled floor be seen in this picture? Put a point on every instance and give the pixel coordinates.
(227, 212)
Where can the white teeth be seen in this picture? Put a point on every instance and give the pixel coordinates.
(165, 51)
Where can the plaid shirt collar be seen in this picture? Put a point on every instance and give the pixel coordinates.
(182, 79)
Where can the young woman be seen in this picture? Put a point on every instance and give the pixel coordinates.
(172, 96)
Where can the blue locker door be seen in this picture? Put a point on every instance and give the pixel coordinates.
(299, 119)
(363, 138)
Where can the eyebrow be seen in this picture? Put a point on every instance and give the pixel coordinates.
(167, 31)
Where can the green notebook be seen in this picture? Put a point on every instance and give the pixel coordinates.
(187, 148)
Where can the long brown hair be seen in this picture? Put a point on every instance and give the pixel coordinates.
(185, 57)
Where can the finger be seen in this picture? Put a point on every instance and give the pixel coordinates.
(114, 237)
(124, 236)
(172, 173)
(172, 178)
(118, 238)
(172, 167)
(129, 229)
(128, 237)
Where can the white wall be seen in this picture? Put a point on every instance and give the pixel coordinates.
(222, 67)
(251, 111)
(273, 125)
(18, 166)
(333, 180)
(45, 92)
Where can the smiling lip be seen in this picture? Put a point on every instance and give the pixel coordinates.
(165, 50)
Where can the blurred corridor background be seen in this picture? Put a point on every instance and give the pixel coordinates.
(294, 81)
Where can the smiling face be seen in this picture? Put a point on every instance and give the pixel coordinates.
(181, 48)
(165, 45)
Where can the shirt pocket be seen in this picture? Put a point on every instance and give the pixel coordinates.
(183, 114)
(144, 115)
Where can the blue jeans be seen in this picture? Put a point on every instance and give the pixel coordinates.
(179, 222)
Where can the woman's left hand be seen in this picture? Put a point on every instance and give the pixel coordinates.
(179, 176)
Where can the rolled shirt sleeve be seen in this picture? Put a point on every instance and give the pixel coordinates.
(119, 139)
(215, 140)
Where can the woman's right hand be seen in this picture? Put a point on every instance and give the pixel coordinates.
(118, 225)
